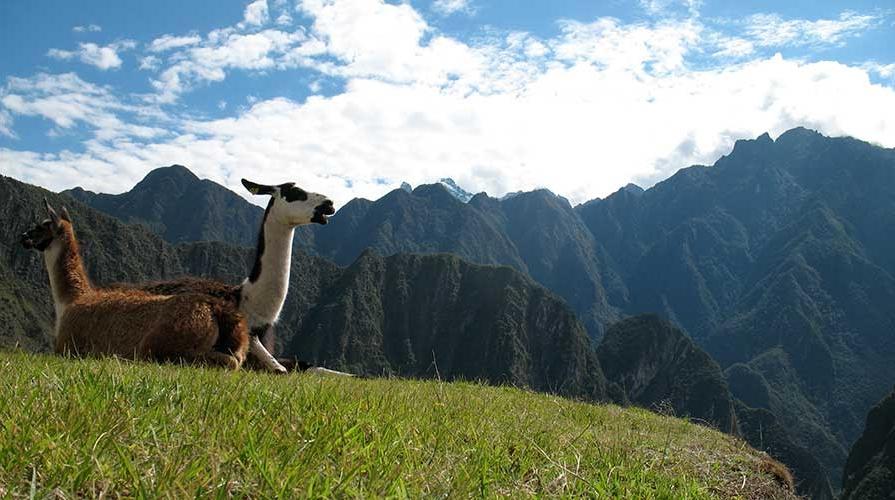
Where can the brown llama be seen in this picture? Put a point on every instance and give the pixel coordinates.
(130, 323)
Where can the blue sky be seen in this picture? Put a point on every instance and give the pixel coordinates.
(352, 97)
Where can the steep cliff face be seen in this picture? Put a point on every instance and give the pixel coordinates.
(658, 366)
(761, 429)
(439, 316)
(870, 469)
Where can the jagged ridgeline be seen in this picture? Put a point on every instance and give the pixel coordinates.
(420, 315)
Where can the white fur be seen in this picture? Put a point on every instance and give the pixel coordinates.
(262, 301)
(51, 255)
(269, 362)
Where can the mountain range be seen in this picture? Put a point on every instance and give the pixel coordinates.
(777, 261)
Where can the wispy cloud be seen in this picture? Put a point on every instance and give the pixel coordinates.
(6, 124)
(770, 30)
(883, 70)
(150, 63)
(664, 7)
(103, 57)
(221, 51)
(89, 28)
(168, 42)
(67, 100)
(450, 7)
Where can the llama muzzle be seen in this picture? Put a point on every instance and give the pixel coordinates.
(322, 211)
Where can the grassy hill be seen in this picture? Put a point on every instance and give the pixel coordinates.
(84, 427)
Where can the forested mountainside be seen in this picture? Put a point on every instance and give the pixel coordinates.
(870, 469)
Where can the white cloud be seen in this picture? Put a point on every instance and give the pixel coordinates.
(883, 70)
(168, 42)
(599, 105)
(89, 28)
(449, 7)
(150, 63)
(284, 19)
(770, 30)
(579, 130)
(6, 124)
(103, 57)
(223, 50)
(67, 101)
(379, 40)
(607, 42)
(256, 13)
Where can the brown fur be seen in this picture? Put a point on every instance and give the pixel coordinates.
(135, 324)
(69, 269)
(779, 472)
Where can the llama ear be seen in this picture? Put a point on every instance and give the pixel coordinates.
(258, 188)
(54, 217)
(65, 215)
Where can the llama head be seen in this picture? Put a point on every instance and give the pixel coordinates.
(41, 236)
(293, 206)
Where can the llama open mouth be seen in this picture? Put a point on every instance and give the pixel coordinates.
(27, 242)
(322, 213)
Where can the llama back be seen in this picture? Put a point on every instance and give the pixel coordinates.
(108, 323)
(145, 326)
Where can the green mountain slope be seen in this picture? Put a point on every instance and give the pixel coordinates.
(439, 316)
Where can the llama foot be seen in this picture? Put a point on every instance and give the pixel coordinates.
(227, 361)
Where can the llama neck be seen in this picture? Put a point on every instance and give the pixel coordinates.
(264, 292)
(68, 280)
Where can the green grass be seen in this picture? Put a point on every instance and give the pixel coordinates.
(92, 427)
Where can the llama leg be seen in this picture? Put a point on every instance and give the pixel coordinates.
(256, 349)
(232, 337)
